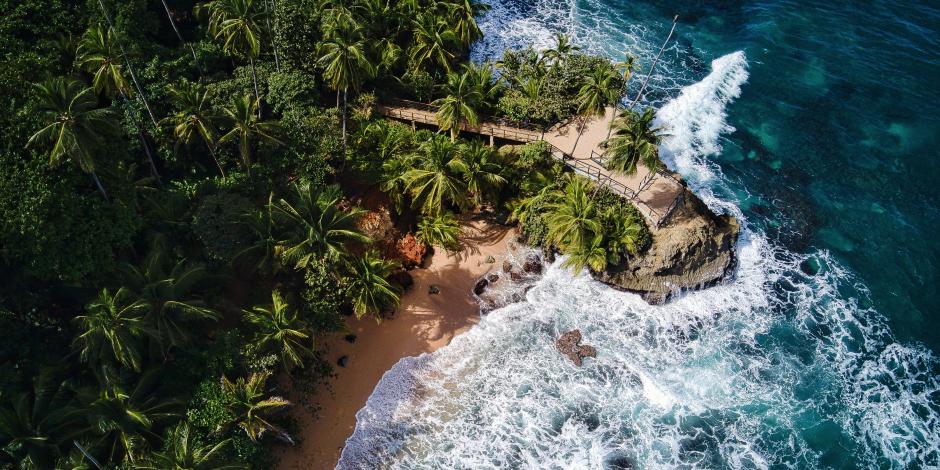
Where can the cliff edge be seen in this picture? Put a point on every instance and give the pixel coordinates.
(693, 250)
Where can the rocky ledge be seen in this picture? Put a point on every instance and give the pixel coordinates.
(694, 250)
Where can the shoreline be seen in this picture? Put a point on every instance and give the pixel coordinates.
(424, 323)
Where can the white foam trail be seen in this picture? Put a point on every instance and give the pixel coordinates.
(771, 369)
(696, 119)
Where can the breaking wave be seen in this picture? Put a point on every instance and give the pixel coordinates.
(785, 365)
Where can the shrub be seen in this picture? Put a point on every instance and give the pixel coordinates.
(218, 224)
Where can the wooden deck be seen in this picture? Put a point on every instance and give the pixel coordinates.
(658, 197)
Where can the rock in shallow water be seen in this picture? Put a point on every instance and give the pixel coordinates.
(569, 345)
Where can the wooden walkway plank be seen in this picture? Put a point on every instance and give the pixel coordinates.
(656, 200)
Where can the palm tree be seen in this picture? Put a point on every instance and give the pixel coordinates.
(441, 230)
(392, 179)
(572, 220)
(247, 126)
(112, 328)
(261, 253)
(125, 421)
(181, 451)
(481, 167)
(169, 290)
(250, 407)
(74, 126)
(485, 82)
(315, 226)
(280, 330)
(464, 14)
(193, 117)
(593, 256)
(237, 23)
(627, 67)
(636, 140)
(99, 55)
(433, 40)
(435, 179)
(621, 234)
(596, 93)
(369, 286)
(344, 62)
(383, 20)
(563, 48)
(460, 103)
(37, 425)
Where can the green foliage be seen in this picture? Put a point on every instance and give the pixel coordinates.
(52, 228)
(218, 224)
(546, 94)
(369, 286)
(440, 230)
(324, 297)
(418, 84)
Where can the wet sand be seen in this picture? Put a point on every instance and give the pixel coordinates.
(424, 323)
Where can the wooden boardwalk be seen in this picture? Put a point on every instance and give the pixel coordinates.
(658, 197)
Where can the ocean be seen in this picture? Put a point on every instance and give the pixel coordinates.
(817, 124)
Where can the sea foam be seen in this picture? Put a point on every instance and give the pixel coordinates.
(781, 366)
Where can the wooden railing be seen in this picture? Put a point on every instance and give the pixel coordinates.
(592, 167)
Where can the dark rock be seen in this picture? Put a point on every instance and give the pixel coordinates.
(489, 259)
(507, 266)
(548, 255)
(532, 264)
(570, 345)
(402, 278)
(480, 286)
(516, 275)
(694, 250)
(433, 289)
(350, 338)
(342, 361)
(492, 277)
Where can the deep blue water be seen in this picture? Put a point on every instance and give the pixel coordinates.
(818, 126)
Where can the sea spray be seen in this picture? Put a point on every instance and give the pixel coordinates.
(784, 366)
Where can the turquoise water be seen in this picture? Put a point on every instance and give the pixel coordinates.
(817, 126)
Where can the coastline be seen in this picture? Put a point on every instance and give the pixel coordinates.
(424, 323)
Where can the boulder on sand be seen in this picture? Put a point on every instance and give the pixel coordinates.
(570, 345)
(411, 252)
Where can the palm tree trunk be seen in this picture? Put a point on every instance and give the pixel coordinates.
(649, 74)
(337, 98)
(180, 36)
(580, 131)
(104, 193)
(277, 60)
(254, 78)
(143, 96)
(345, 95)
(143, 140)
(215, 158)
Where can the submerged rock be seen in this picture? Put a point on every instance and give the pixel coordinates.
(480, 286)
(694, 250)
(532, 264)
(569, 345)
(342, 361)
(434, 289)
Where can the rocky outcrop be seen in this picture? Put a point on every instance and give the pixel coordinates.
(410, 251)
(570, 345)
(694, 250)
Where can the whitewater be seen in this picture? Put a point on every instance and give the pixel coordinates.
(770, 369)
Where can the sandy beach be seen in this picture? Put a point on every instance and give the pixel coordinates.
(424, 323)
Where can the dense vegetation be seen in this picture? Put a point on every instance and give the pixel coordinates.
(177, 204)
